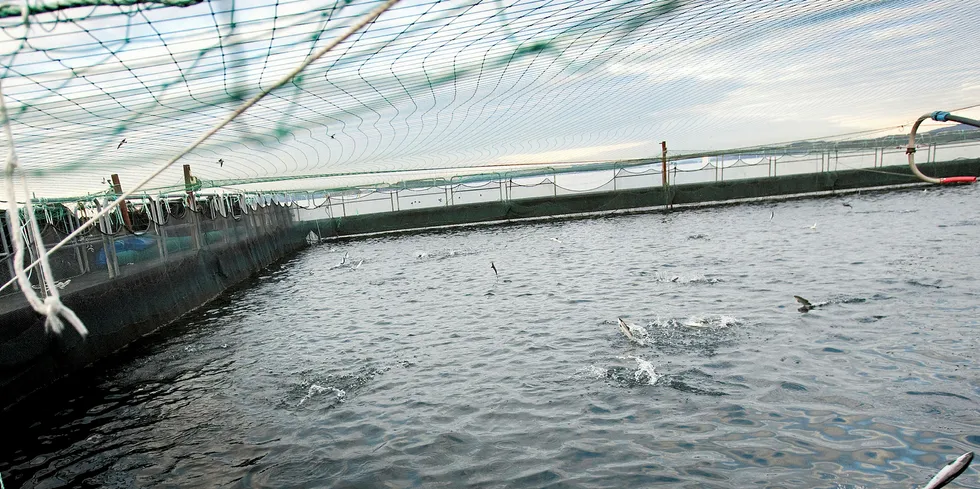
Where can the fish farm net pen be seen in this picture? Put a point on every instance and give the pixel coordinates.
(275, 101)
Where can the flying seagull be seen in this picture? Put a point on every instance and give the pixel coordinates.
(121, 143)
(494, 269)
(814, 227)
(772, 214)
(632, 332)
(951, 471)
(221, 162)
(332, 136)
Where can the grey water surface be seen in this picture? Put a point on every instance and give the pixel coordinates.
(419, 368)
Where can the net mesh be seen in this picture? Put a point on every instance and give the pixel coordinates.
(447, 88)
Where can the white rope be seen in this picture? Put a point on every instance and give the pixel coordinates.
(374, 14)
(51, 306)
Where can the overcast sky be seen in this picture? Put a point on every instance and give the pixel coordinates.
(462, 84)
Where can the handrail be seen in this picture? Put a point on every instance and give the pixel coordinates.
(940, 116)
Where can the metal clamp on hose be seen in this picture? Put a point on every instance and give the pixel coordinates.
(940, 116)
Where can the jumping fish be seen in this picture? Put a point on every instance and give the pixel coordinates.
(951, 471)
(632, 332)
(806, 305)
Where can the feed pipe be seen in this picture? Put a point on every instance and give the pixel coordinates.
(940, 116)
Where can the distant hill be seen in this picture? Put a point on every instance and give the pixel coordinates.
(942, 135)
(956, 128)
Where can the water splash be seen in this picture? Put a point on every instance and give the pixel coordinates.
(679, 278)
(636, 333)
(316, 389)
(645, 371)
(711, 321)
(702, 334)
(342, 386)
(644, 374)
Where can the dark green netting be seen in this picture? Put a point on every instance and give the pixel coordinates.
(454, 88)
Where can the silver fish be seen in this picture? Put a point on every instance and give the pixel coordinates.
(632, 332)
(951, 471)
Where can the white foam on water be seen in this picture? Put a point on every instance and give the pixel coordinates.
(594, 371)
(683, 278)
(663, 323)
(316, 389)
(728, 321)
(710, 321)
(645, 371)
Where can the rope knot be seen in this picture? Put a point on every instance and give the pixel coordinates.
(53, 308)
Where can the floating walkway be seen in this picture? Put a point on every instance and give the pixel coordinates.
(635, 199)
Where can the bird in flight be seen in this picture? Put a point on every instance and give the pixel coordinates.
(121, 143)
(221, 162)
(494, 269)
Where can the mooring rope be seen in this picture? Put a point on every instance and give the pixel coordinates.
(50, 306)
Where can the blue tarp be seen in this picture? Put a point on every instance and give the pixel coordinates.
(132, 243)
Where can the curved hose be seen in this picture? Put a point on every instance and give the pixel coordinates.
(910, 149)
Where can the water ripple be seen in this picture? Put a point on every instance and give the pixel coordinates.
(410, 364)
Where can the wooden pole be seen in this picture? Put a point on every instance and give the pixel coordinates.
(188, 186)
(123, 209)
(192, 205)
(666, 183)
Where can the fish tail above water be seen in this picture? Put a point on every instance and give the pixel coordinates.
(632, 332)
(951, 471)
(805, 304)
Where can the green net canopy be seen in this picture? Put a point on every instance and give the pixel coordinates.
(445, 88)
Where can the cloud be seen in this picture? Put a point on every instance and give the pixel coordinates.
(465, 84)
(604, 152)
